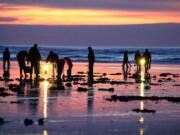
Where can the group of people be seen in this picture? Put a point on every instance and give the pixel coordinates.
(33, 57)
(146, 57)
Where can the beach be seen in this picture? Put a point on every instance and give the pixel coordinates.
(89, 111)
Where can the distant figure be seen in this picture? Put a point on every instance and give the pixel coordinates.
(91, 59)
(6, 59)
(60, 68)
(147, 57)
(21, 57)
(126, 63)
(34, 57)
(70, 65)
(137, 59)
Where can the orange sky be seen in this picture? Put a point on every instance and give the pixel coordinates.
(39, 15)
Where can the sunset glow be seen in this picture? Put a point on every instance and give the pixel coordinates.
(41, 15)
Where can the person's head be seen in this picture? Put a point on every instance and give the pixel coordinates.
(6, 49)
(89, 48)
(35, 45)
(147, 50)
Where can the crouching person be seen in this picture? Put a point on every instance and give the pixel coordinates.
(69, 70)
(21, 57)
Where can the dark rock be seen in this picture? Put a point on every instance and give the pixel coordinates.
(15, 87)
(2, 89)
(28, 122)
(106, 89)
(16, 102)
(81, 72)
(103, 80)
(68, 85)
(165, 74)
(134, 98)
(81, 89)
(4, 94)
(143, 111)
(116, 74)
(41, 121)
(147, 87)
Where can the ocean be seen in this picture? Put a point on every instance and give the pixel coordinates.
(110, 55)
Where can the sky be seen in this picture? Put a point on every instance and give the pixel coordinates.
(77, 13)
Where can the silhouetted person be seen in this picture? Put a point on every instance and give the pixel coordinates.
(6, 59)
(34, 57)
(70, 65)
(52, 57)
(137, 59)
(60, 68)
(91, 59)
(126, 63)
(147, 57)
(21, 57)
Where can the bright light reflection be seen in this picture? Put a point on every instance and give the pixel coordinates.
(141, 131)
(141, 119)
(45, 132)
(45, 100)
(46, 69)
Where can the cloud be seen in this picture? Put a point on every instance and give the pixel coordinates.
(137, 5)
(8, 19)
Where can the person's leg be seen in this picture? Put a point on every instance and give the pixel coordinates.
(8, 63)
(31, 70)
(69, 73)
(4, 62)
(20, 72)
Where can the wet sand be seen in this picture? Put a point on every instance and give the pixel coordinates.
(88, 111)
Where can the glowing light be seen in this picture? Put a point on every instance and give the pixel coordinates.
(46, 69)
(142, 105)
(45, 99)
(142, 61)
(45, 132)
(141, 120)
(141, 131)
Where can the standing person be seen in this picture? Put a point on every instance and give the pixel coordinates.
(91, 59)
(137, 59)
(34, 57)
(126, 63)
(147, 57)
(70, 65)
(6, 59)
(21, 57)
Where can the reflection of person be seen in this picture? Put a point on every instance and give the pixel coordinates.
(34, 57)
(91, 59)
(137, 59)
(70, 65)
(6, 59)
(21, 57)
(147, 57)
(126, 63)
